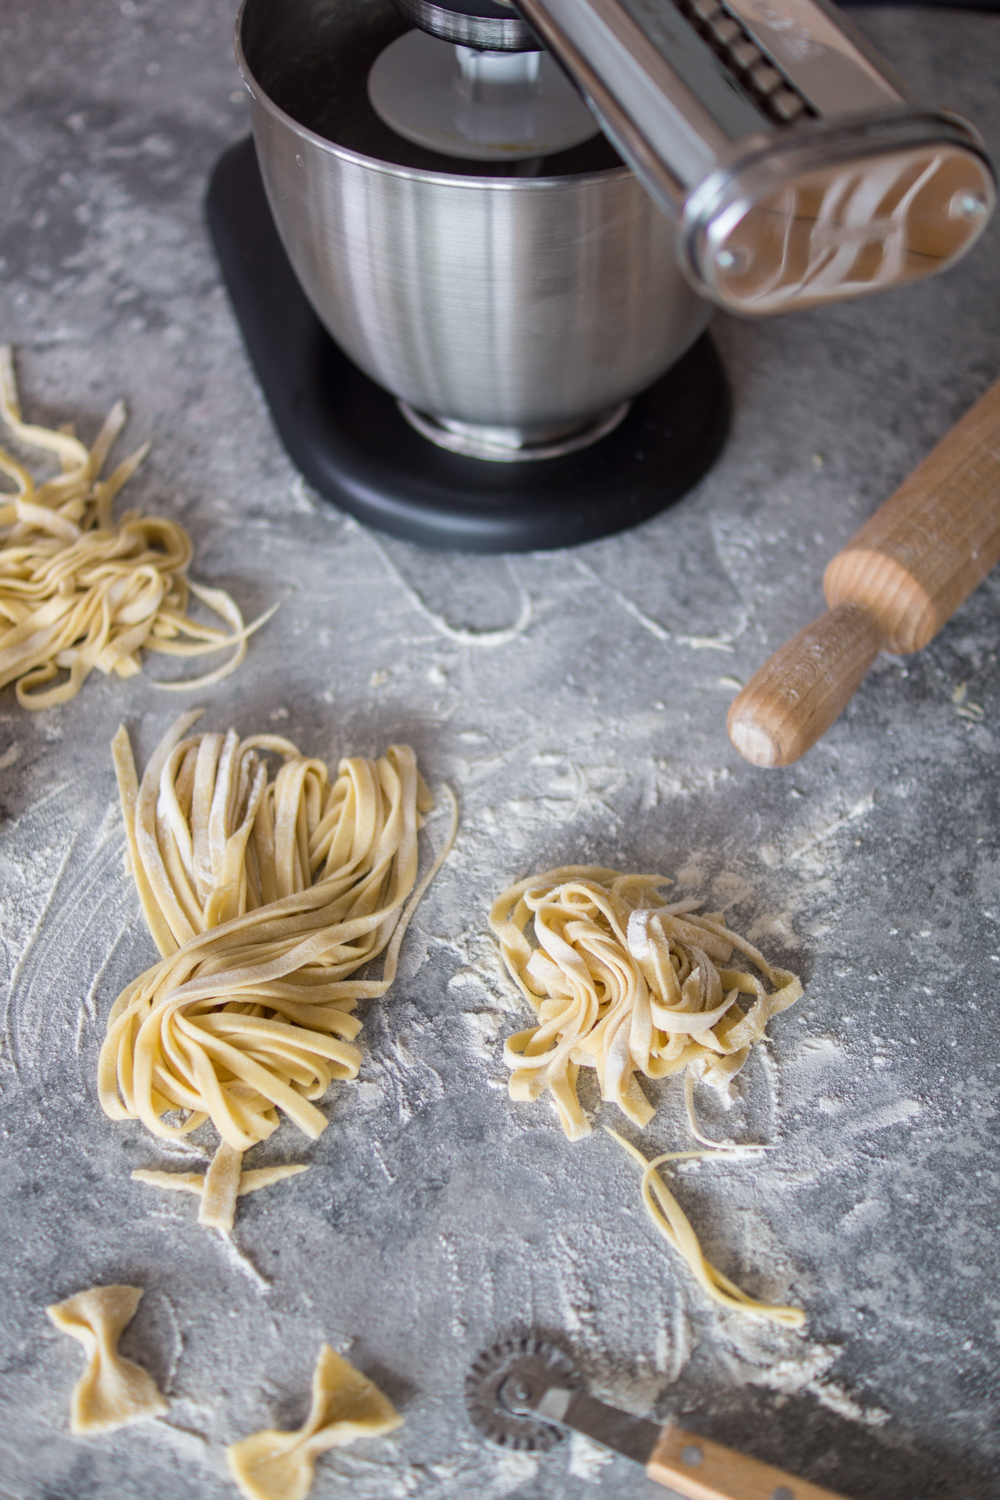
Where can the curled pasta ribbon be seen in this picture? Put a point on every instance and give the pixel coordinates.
(79, 590)
(112, 1392)
(346, 1405)
(264, 897)
(675, 1227)
(624, 984)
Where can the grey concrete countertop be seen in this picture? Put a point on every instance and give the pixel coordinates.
(577, 702)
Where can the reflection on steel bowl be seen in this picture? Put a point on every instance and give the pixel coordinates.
(532, 298)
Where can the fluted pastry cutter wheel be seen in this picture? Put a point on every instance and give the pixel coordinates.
(525, 1394)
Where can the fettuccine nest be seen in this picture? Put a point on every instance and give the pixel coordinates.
(628, 986)
(79, 590)
(265, 896)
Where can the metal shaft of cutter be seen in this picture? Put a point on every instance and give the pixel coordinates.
(634, 1437)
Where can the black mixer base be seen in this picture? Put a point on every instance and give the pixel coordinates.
(352, 443)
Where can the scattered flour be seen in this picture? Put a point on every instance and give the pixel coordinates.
(587, 1459)
(484, 1027)
(511, 1471)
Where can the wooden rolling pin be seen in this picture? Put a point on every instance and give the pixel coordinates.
(891, 589)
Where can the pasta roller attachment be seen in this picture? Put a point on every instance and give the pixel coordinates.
(525, 1393)
(799, 166)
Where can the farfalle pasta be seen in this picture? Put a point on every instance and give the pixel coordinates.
(346, 1405)
(112, 1392)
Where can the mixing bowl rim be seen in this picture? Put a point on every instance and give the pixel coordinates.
(418, 174)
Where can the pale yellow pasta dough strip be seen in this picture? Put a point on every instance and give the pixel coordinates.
(675, 1227)
(112, 1392)
(222, 1184)
(273, 1465)
(128, 791)
(251, 1181)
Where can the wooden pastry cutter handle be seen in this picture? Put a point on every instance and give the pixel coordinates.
(702, 1470)
(891, 589)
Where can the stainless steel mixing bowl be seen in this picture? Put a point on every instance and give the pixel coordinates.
(512, 314)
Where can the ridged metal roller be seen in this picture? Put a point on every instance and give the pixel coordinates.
(525, 1393)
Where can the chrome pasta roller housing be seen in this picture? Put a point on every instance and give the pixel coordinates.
(799, 166)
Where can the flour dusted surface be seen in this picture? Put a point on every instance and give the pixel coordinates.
(575, 733)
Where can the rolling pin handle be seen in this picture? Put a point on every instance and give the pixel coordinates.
(891, 589)
(702, 1470)
(804, 688)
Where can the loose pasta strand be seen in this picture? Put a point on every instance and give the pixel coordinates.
(675, 1227)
